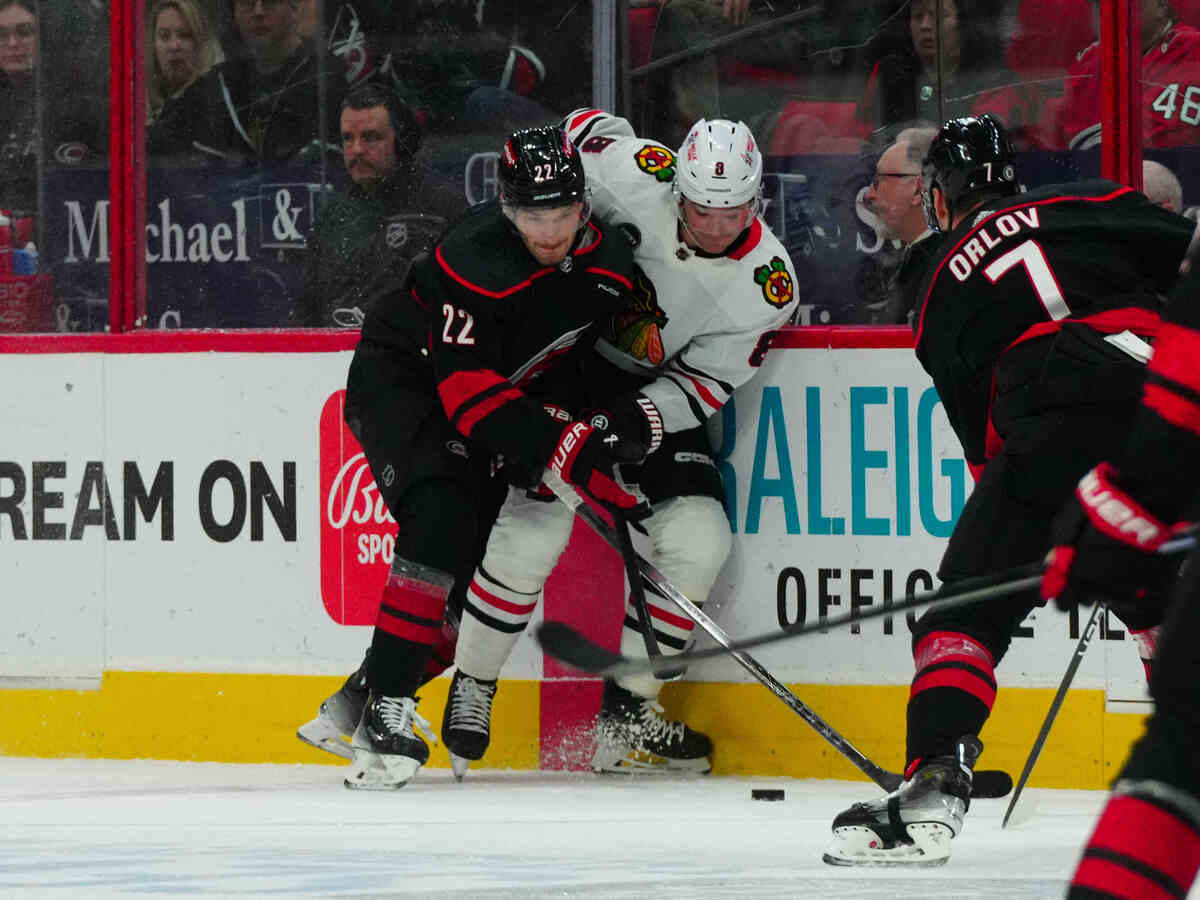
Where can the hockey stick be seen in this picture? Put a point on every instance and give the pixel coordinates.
(986, 784)
(573, 648)
(637, 591)
(1013, 815)
(1026, 811)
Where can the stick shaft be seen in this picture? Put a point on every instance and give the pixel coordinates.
(1085, 639)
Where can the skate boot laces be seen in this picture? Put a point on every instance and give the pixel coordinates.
(655, 726)
(400, 714)
(471, 705)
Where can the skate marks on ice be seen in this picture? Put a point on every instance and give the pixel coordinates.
(96, 829)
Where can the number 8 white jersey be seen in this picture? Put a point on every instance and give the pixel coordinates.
(700, 321)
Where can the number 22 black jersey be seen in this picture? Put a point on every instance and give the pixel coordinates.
(1018, 269)
(481, 322)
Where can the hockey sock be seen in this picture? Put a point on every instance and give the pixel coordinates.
(442, 656)
(952, 694)
(672, 630)
(407, 627)
(1146, 845)
(494, 616)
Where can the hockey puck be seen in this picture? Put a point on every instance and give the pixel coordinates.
(766, 794)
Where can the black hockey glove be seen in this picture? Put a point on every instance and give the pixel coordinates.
(585, 457)
(1106, 547)
(634, 417)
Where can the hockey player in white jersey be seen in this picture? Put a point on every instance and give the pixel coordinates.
(715, 282)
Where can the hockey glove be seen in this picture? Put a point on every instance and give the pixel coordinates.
(632, 416)
(585, 457)
(1106, 547)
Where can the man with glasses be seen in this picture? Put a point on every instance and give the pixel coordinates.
(894, 197)
(272, 101)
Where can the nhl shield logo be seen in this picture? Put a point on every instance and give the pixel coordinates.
(396, 235)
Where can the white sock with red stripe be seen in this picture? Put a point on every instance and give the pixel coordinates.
(493, 618)
(672, 631)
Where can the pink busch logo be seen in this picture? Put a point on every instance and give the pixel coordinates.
(357, 531)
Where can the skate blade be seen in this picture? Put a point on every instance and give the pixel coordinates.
(379, 772)
(857, 845)
(638, 762)
(459, 765)
(324, 735)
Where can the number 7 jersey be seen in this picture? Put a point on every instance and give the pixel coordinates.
(1019, 268)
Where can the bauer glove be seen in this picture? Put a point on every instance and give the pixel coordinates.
(585, 457)
(1106, 547)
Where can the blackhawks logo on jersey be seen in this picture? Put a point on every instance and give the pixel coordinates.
(657, 161)
(776, 282)
(637, 330)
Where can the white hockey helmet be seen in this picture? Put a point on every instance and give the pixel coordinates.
(719, 165)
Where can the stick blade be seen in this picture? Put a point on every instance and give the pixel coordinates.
(566, 644)
(991, 784)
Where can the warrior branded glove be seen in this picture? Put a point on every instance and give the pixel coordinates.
(1106, 546)
(633, 416)
(585, 457)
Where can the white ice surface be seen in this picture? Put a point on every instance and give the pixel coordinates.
(97, 828)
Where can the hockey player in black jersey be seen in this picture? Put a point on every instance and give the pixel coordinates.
(1033, 321)
(452, 373)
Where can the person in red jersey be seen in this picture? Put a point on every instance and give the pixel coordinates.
(1170, 86)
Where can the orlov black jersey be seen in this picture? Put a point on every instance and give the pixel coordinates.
(1017, 269)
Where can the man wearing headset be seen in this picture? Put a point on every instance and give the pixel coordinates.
(392, 212)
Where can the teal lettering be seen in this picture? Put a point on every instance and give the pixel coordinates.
(772, 427)
(903, 463)
(862, 459)
(818, 523)
(952, 469)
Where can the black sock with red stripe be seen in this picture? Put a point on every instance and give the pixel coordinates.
(407, 629)
(1145, 846)
(952, 693)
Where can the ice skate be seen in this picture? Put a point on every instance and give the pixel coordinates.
(913, 825)
(338, 716)
(633, 736)
(387, 753)
(466, 726)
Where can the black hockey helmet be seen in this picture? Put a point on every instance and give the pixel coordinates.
(970, 156)
(541, 167)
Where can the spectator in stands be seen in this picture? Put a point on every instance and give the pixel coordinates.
(1161, 186)
(392, 212)
(276, 100)
(1170, 86)
(180, 47)
(894, 196)
(18, 104)
(905, 84)
(67, 128)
